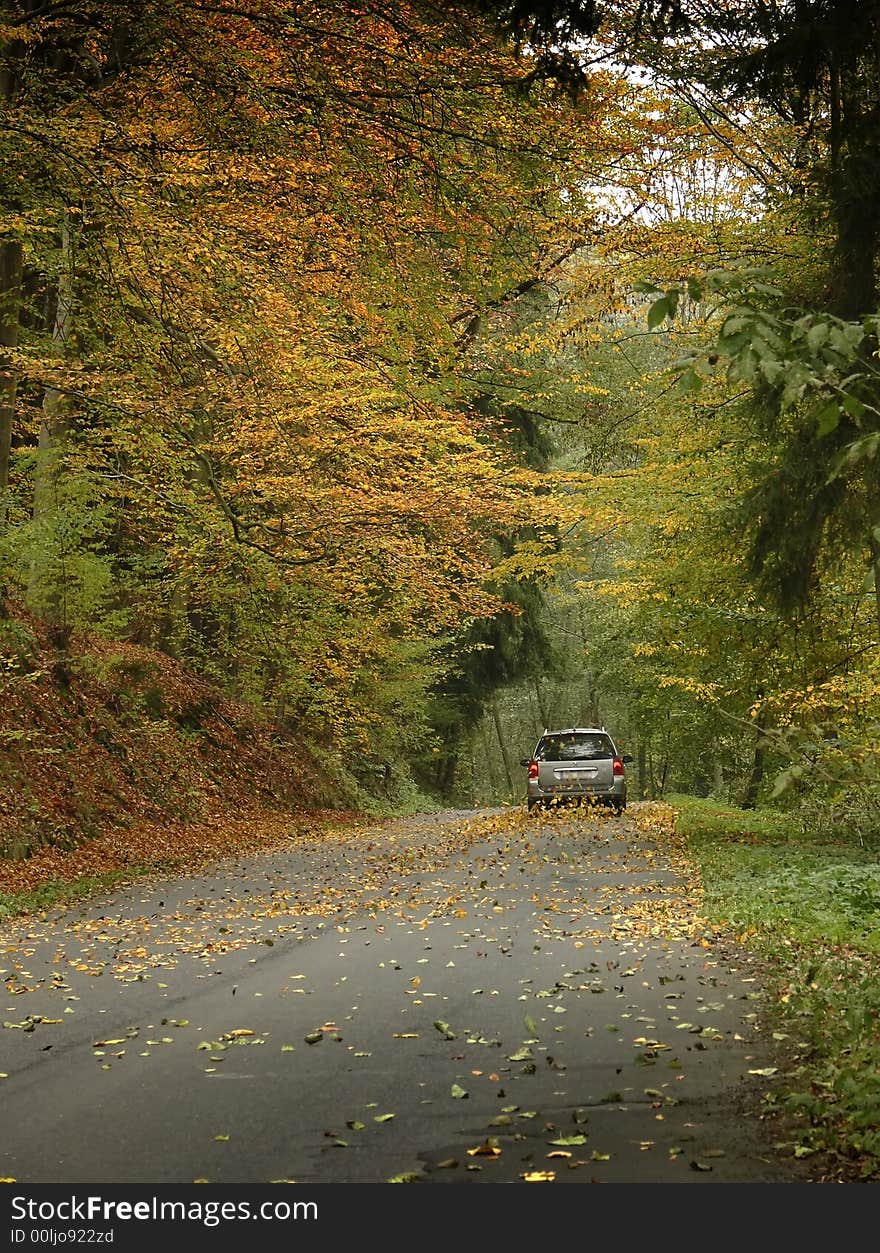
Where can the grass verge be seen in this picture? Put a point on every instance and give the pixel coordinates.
(55, 894)
(811, 906)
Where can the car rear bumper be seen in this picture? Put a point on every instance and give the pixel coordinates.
(615, 795)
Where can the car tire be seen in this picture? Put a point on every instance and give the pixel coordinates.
(532, 801)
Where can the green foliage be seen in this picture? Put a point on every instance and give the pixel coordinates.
(810, 903)
(768, 873)
(815, 393)
(61, 555)
(831, 1007)
(501, 651)
(703, 820)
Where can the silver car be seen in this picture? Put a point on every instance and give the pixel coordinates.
(579, 763)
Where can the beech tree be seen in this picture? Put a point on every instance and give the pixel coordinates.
(247, 251)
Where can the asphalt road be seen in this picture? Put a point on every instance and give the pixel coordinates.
(421, 999)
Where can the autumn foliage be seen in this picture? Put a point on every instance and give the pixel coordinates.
(248, 250)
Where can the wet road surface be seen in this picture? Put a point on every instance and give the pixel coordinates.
(453, 998)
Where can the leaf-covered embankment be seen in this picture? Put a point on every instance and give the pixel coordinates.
(116, 757)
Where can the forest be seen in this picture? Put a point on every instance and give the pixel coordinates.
(384, 382)
(403, 379)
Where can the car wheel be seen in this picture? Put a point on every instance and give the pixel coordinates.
(532, 801)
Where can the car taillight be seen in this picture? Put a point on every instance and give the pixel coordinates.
(533, 770)
(617, 768)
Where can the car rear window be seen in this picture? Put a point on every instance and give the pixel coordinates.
(574, 746)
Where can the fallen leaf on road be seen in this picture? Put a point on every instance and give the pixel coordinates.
(521, 1055)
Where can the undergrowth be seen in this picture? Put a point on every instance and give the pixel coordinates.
(810, 902)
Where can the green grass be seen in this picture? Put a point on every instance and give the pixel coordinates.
(58, 894)
(760, 871)
(811, 905)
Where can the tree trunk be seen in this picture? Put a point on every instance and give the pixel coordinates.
(756, 776)
(488, 760)
(472, 761)
(47, 591)
(542, 705)
(11, 259)
(502, 744)
(54, 422)
(447, 768)
(875, 566)
(719, 781)
(10, 302)
(641, 769)
(853, 283)
(854, 161)
(663, 772)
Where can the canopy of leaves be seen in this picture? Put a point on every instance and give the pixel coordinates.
(257, 246)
